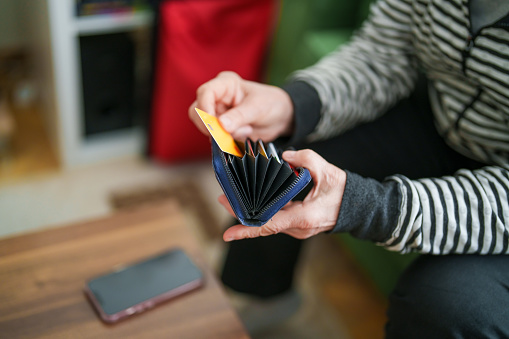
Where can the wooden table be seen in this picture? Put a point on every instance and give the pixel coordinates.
(42, 276)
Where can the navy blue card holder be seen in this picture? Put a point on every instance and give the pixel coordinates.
(259, 184)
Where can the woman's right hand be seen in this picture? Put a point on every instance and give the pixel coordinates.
(244, 108)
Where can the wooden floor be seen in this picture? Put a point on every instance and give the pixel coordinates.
(29, 151)
(345, 288)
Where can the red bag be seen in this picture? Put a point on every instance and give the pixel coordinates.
(198, 39)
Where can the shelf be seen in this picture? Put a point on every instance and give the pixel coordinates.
(105, 146)
(111, 23)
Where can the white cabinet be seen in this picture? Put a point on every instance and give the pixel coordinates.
(54, 31)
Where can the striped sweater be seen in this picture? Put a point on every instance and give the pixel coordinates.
(469, 90)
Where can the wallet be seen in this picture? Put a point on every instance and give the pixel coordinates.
(258, 184)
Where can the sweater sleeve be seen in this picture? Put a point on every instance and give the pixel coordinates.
(359, 81)
(462, 214)
(465, 213)
(306, 109)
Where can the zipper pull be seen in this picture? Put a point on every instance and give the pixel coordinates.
(466, 52)
(470, 43)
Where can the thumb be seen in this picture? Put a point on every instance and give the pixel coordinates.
(305, 158)
(238, 117)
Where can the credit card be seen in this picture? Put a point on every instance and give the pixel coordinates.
(223, 139)
(272, 151)
(261, 149)
(249, 148)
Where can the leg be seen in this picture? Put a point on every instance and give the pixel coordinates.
(457, 296)
(262, 267)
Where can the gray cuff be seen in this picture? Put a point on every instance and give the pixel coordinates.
(306, 107)
(369, 209)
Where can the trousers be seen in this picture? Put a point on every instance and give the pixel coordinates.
(450, 296)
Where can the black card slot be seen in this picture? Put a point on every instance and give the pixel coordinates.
(282, 187)
(249, 147)
(239, 169)
(272, 152)
(260, 147)
(284, 173)
(237, 179)
(260, 171)
(249, 169)
(273, 168)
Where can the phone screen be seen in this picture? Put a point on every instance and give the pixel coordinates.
(140, 286)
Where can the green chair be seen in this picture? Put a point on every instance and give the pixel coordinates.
(307, 30)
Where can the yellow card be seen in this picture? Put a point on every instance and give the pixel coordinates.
(224, 139)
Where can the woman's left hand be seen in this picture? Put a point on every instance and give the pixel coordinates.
(317, 213)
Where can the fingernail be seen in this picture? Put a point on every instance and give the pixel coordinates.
(225, 122)
(289, 155)
(229, 239)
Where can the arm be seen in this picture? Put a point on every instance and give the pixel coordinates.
(465, 213)
(359, 81)
(462, 214)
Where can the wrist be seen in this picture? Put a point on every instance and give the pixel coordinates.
(286, 113)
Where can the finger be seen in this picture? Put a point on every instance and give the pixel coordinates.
(224, 201)
(288, 204)
(305, 158)
(225, 88)
(234, 94)
(206, 99)
(239, 232)
(299, 233)
(283, 220)
(195, 118)
(310, 160)
(221, 108)
(242, 133)
(288, 217)
(293, 221)
(239, 116)
(290, 220)
(298, 220)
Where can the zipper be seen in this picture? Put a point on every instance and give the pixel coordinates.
(282, 194)
(467, 50)
(235, 191)
(471, 36)
(470, 39)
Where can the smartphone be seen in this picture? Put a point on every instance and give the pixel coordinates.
(140, 286)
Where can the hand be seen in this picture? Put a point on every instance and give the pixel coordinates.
(244, 108)
(301, 219)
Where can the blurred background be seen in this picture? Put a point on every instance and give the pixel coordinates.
(93, 117)
(87, 82)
